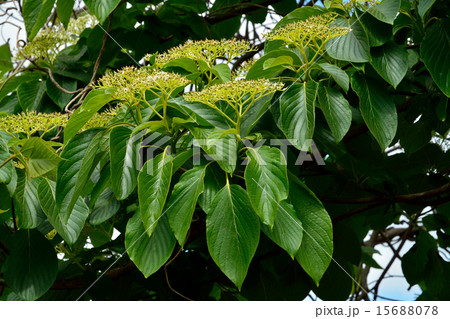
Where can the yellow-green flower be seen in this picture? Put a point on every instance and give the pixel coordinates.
(49, 42)
(101, 119)
(132, 83)
(363, 2)
(32, 122)
(241, 72)
(309, 31)
(240, 95)
(207, 51)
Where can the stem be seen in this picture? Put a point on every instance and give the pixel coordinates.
(7, 160)
(176, 139)
(138, 109)
(134, 117)
(164, 99)
(221, 112)
(238, 127)
(317, 52)
(208, 76)
(306, 65)
(253, 100)
(153, 109)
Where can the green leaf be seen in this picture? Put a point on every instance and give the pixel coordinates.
(60, 98)
(64, 10)
(435, 53)
(202, 114)
(436, 279)
(15, 82)
(337, 111)
(336, 276)
(26, 201)
(266, 181)
(11, 186)
(424, 6)
(391, 62)
(286, 6)
(70, 230)
(377, 32)
(263, 69)
(32, 266)
(225, 29)
(222, 147)
(93, 102)
(213, 181)
(377, 109)
(287, 231)
(41, 157)
(232, 232)
(30, 94)
(316, 250)
(81, 156)
(125, 160)
(181, 158)
(35, 14)
(105, 207)
(184, 63)
(223, 72)
(441, 109)
(153, 187)
(300, 14)
(252, 115)
(101, 8)
(415, 260)
(5, 204)
(280, 60)
(339, 76)
(101, 235)
(5, 59)
(183, 200)
(103, 182)
(386, 11)
(6, 171)
(352, 47)
(297, 113)
(368, 260)
(149, 253)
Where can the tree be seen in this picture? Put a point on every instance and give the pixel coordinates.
(242, 169)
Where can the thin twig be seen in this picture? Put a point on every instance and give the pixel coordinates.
(391, 262)
(167, 275)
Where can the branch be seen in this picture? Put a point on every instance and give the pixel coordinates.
(50, 74)
(423, 195)
(81, 95)
(365, 271)
(102, 50)
(387, 235)
(408, 198)
(247, 56)
(386, 269)
(357, 211)
(414, 199)
(240, 9)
